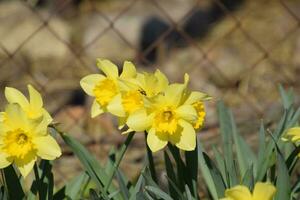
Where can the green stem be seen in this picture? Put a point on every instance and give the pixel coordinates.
(120, 156)
(37, 178)
(150, 160)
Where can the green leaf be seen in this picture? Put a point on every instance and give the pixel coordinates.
(170, 175)
(242, 149)
(287, 97)
(283, 179)
(191, 160)
(72, 189)
(248, 179)
(220, 162)
(94, 195)
(136, 192)
(226, 133)
(91, 165)
(15, 190)
(208, 174)
(158, 192)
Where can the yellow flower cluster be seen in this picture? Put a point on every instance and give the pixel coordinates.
(23, 131)
(262, 191)
(148, 102)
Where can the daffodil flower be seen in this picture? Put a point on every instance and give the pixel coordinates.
(262, 191)
(170, 117)
(105, 88)
(293, 135)
(23, 139)
(33, 108)
(135, 92)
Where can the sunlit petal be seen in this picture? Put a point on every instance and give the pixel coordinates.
(108, 68)
(156, 141)
(47, 147)
(88, 82)
(265, 191)
(129, 70)
(15, 96)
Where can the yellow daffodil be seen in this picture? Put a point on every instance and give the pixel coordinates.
(23, 139)
(172, 116)
(135, 92)
(33, 108)
(262, 191)
(105, 88)
(293, 135)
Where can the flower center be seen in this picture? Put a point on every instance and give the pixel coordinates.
(165, 120)
(199, 107)
(18, 143)
(132, 101)
(104, 91)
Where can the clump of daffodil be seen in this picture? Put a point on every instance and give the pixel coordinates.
(105, 88)
(135, 93)
(262, 191)
(171, 116)
(293, 135)
(33, 108)
(24, 139)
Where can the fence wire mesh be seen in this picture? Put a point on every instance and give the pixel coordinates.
(239, 51)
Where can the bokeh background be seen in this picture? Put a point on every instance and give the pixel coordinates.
(235, 50)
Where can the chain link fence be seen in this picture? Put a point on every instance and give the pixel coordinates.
(239, 51)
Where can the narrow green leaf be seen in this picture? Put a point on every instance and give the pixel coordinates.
(220, 162)
(170, 175)
(242, 149)
(206, 172)
(191, 160)
(287, 97)
(15, 190)
(283, 179)
(226, 133)
(248, 178)
(91, 165)
(158, 192)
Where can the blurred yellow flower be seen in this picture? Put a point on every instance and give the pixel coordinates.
(293, 135)
(262, 191)
(23, 139)
(33, 108)
(171, 116)
(105, 88)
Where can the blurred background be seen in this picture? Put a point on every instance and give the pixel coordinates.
(235, 50)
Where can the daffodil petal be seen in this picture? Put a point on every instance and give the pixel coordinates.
(96, 109)
(173, 93)
(115, 106)
(88, 83)
(162, 80)
(15, 96)
(129, 70)
(196, 96)
(35, 97)
(187, 112)
(108, 68)
(265, 191)
(139, 120)
(47, 147)
(187, 140)
(40, 125)
(25, 165)
(16, 117)
(238, 193)
(156, 141)
(4, 161)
